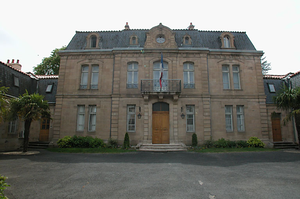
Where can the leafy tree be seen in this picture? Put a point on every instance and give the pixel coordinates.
(289, 100)
(265, 66)
(49, 65)
(30, 108)
(3, 102)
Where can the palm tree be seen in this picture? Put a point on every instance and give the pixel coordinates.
(289, 100)
(30, 108)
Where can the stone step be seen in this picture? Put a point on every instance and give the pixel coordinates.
(285, 145)
(38, 145)
(162, 147)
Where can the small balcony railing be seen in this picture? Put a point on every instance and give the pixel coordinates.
(167, 86)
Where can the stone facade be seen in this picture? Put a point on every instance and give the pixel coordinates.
(207, 95)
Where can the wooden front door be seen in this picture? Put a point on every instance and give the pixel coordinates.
(44, 132)
(276, 128)
(160, 123)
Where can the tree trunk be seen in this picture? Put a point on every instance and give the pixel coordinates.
(297, 120)
(26, 134)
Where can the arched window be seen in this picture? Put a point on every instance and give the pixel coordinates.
(93, 41)
(226, 40)
(186, 40)
(133, 40)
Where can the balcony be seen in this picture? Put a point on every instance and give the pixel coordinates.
(169, 86)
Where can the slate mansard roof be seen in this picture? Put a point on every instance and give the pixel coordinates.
(121, 39)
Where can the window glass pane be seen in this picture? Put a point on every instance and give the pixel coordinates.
(236, 77)
(226, 42)
(240, 118)
(49, 88)
(190, 118)
(95, 76)
(226, 80)
(93, 41)
(272, 88)
(92, 118)
(228, 118)
(84, 77)
(80, 118)
(131, 118)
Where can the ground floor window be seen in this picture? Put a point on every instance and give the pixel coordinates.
(228, 118)
(240, 118)
(92, 118)
(80, 117)
(190, 118)
(12, 126)
(131, 118)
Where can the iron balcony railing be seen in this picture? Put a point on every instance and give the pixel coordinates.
(167, 86)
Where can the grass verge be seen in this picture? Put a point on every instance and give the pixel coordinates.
(90, 150)
(228, 150)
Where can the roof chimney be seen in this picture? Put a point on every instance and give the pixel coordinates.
(127, 26)
(14, 65)
(191, 27)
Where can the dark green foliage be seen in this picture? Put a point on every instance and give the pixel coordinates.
(208, 144)
(255, 142)
(241, 144)
(3, 186)
(80, 142)
(112, 143)
(194, 140)
(50, 65)
(222, 143)
(126, 143)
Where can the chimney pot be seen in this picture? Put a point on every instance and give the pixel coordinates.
(8, 61)
(127, 26)
(12, 61)
(17, 61)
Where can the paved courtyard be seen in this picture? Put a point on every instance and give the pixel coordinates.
(153, 175)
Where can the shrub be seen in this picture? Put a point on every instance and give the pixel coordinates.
(112, 143)
(65, 142)
(221, 143)
(194, 140)
(126, 143)
(3, 186)
(241, 144)
(96, 143)
(208, 144)
(255, 142)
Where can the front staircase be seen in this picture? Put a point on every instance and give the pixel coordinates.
(38, 145)
(285, 145)
(162, 147)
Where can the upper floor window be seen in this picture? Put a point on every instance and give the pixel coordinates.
(187, 40)
(84, 77)
(95, 75)
(227, 76)
(226, 41)
(49, 88)
(188, 75)
(16, 81)
(93, 41)
(132, 75)
(89, 74)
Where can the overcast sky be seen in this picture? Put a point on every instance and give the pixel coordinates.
(31, 29)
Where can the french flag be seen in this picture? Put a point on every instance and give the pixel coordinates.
(161, 70)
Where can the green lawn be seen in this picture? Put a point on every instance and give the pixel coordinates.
(226, 150)
(90, 150)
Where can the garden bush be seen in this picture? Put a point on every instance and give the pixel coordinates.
(255, 142)
(3, 186)
(241, 144)
(80, 142)
(65, 142)
(208, 144)
(126, 143)
(112, 143)
(194, 140)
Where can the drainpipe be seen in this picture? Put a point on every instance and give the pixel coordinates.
(209, 96)
(112, 92)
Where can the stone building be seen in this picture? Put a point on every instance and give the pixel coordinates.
(18, 82)
(110, 83)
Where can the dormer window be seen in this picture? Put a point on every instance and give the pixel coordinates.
(93, 41)
(49, 88)
(227, 40)
(187, 40)
(133, 40)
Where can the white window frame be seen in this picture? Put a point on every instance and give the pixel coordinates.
(80, 117)
(190, 117)
(92, 118)
(84, 77)
(228, 115)
(188, 75)
(131, 125)
(240, 118)
(13, 126)
(95, 76)
(132, 71)
(236, 76)
(226, 74)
